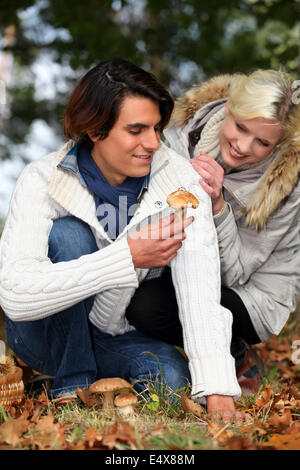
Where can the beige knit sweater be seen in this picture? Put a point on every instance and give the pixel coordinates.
(31, 287)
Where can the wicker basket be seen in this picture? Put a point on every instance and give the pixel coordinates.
(11, 388)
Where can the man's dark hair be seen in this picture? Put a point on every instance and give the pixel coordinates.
(95, 103)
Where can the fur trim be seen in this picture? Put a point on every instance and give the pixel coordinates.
(199, 95)
(283, 173)
(276, 185)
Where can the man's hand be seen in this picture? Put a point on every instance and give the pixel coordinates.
(157, 244)
(212, 179)
(221, 407)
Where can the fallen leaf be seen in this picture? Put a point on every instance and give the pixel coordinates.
(287, 372)
(92, 436)
(43, 399)
(12, 430)
(120, 433)
(278, 356)
(279, 405)
(46, 434)
(280, 422)
(78, 446)
(265, 397)
(264, 352)
(38, 409)
(283, 442)
(295, 392)
(190, 406)
(46, 423)
(88, 398)
(220, 432)
(29, 406)
(259, 427)
(158, 429)
(239, 443)
(278, 344)
(295, 427)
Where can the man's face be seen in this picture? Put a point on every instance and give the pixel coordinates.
(130, 144)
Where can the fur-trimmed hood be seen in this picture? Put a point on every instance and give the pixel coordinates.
(281, 175)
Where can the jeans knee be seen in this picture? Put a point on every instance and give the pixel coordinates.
(177, 375)
(169, 368)
(69, 239)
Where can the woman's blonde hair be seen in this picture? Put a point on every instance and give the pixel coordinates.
(264, 93)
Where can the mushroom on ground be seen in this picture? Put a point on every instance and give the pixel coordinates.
(180, 200)
(108, 387)
(126, 402)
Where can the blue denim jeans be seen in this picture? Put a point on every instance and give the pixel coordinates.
(76, 353)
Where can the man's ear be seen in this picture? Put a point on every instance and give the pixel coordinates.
(93, 138)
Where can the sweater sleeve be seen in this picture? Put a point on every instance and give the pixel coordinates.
(31, 286)
(206, 324)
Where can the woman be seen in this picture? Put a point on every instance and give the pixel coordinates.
(242, 136)
(81, 236)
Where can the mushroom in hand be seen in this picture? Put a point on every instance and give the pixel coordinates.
(180, 200)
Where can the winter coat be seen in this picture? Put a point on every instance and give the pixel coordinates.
(258, 237)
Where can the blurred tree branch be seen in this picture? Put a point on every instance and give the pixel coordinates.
(181, 42)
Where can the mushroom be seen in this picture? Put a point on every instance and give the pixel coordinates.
(126, 403)
(180, 200)
(108, 387)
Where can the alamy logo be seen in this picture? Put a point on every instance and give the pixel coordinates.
(296, 94)
(2, 352)
(151, 227)
(2, 93)
(296, 354)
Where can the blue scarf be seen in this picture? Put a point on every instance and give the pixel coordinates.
(115, 205)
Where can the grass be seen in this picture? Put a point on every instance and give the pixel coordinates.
(165, 427)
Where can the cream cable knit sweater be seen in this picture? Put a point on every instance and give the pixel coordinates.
(31, 287)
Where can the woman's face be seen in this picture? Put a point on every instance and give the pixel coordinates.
(130, 144)
(247, 141)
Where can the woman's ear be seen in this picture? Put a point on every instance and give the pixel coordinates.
(227, 107)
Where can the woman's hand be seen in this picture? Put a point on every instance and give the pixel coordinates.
(221, 407)
(212, 182)
(157, 244)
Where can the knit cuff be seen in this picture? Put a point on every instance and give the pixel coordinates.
(214, 374)
(116, 267)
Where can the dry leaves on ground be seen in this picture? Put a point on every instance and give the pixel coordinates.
(34, 429)
(279, 430)
(33, 424)
(275, 414)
